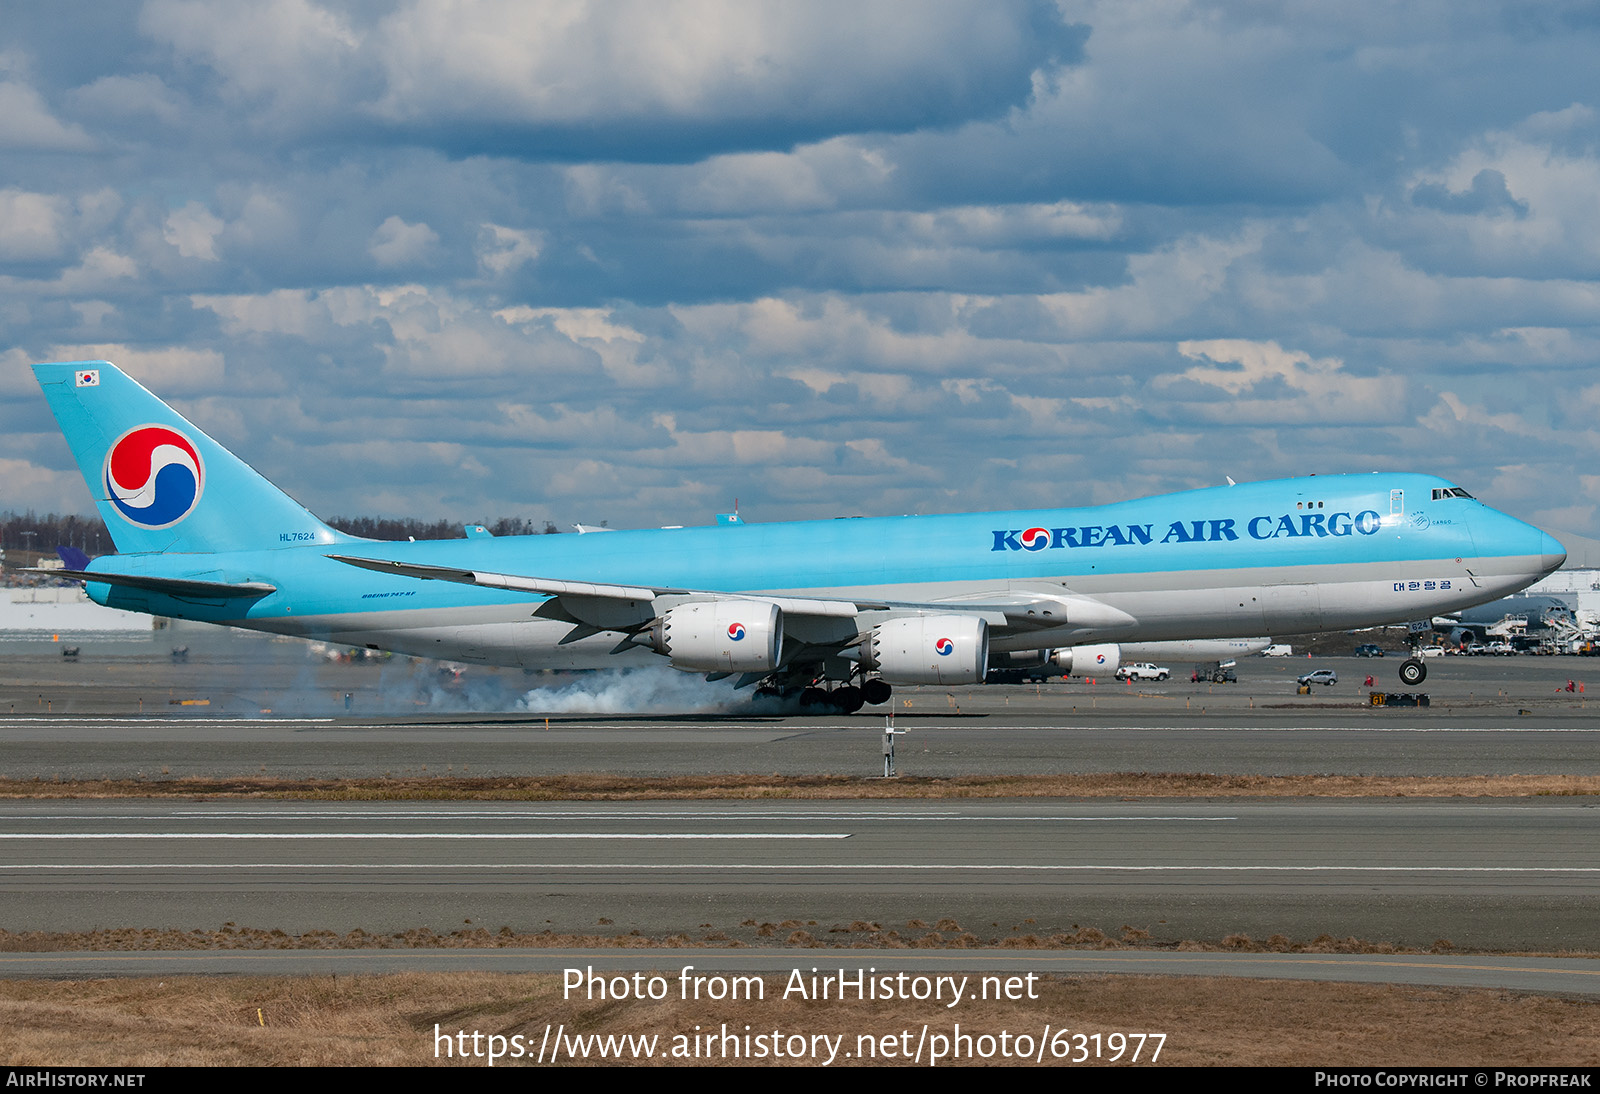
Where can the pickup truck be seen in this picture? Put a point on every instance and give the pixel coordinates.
(1143, 670)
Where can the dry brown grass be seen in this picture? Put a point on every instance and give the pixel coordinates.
(390, 1020)
(824, 787)
(947, 935)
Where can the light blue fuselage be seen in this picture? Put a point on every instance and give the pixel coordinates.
(1288, 556)
(202, 535)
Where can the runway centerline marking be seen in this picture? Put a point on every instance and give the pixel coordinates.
(622, 815)
(874, 866)
(424, 835)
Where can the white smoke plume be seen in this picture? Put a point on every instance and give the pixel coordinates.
(641, 691)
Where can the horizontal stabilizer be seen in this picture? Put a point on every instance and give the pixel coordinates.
(171, 586)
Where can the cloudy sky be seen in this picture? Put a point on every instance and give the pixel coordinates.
(629, 261)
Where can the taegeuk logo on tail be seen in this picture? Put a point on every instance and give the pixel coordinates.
(154, 476)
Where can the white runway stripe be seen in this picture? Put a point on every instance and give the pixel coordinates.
(801, 867)
(420, 835)
(569, 815)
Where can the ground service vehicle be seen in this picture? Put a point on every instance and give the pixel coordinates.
(1143, 670)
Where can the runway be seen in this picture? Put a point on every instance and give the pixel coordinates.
(112, 713)
(1482, 874)
(1494, 874)
(979, 743)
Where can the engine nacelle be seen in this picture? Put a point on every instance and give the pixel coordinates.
(929, 649)
(1020, 659)
(721, 636)
(1101, 660)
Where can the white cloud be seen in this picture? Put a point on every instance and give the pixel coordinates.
(626, 73)
(16, 381)
(176, 369)
(1026, 224)
(585, 324)
(30, 224)
(831, 328)
(1239, 365)
(102, 268)
(756, 181)
(26, 123)
(282, 311)
(1451, 413)
(1537, 206)
(1165, 289)
(501, 249)
(29, 486)
(1266, 383)
(143, 95)
(193, 230)
(396, 243)
(292, 53)
(573, 61)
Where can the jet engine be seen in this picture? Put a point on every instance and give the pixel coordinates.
(1088, 660)
(929, 649)
(1021, 659)
(720, 636)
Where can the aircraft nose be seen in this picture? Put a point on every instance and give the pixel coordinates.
(1551, 553)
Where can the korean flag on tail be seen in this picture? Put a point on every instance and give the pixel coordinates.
(87, 377)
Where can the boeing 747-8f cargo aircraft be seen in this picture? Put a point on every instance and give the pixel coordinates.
(854, 606)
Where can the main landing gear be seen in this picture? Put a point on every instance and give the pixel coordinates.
(845, 699)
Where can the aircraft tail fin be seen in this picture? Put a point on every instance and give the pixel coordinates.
(159, 483)
(71, 557)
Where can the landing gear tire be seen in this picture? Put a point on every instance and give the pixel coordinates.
(1413, 672)
(811, 698)
(876, 691)
(848, 699)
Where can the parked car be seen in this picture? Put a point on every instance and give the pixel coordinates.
(1320, 676)
(1432, 651)
(1369, 650)
(1143, 670)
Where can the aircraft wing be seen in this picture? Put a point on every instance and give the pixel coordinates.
(1036, 609)
(585, 589)
(1023, 609)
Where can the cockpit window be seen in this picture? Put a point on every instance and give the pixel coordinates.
(1441, 492)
